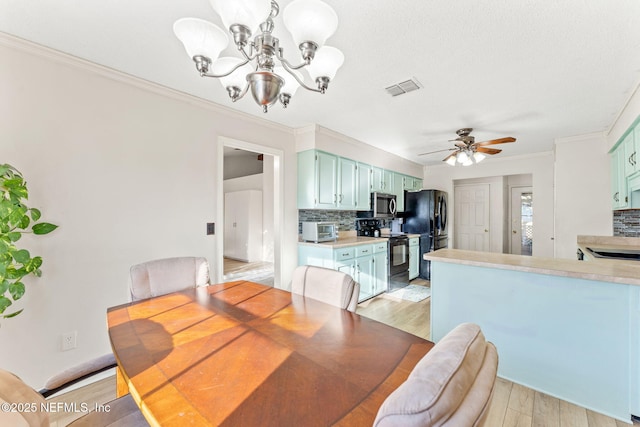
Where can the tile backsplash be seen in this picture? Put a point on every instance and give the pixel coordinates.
(346, 219)
(626, 223)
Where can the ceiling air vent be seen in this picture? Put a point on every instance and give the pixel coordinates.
(403, 87)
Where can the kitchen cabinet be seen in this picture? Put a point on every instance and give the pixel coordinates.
(367, 264)
(363, 191)
(381, 180)
(347, 184)
(398, 190)
(327, 181)
(414, 257)
(620, 196)
(628, 145)
(380, 267)
(412, 184)
(243, 225)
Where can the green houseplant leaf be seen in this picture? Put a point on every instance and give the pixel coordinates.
(16, 219)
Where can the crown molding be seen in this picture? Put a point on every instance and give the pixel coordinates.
(22, 45)
(575, 138)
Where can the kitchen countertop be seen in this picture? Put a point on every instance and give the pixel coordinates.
(349, 238)
(607, 242)
(623, 272)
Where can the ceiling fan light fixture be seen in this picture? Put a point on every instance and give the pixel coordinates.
(451, 161)
(478, 157)
(462, 157)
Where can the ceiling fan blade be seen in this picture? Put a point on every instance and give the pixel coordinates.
(496, 141)
(487, 150)
(437, 151)
(449, 156)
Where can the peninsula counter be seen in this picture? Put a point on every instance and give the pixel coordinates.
(567, 328)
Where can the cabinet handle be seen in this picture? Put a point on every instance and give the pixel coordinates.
(341, 198)
(335, 198)
(364, 252)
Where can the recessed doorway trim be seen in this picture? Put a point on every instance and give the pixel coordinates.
(278, 203)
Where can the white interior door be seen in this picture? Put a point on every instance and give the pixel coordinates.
(471, 215)
(521, 220)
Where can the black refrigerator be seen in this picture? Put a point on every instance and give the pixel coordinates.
(425, 213)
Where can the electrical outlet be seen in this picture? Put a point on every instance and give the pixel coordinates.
(69, 340)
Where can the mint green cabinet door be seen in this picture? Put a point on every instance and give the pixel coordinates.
(380, 272)
(398, 189)
(620, 198)
(347, 181)
(377, 179)
(414, 258)
(364, 276)
(326, 180)
(363, 187)
(628, 146)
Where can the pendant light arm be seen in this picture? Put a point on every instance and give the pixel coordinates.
(217, 76)
(285, 65)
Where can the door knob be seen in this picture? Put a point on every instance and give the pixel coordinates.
(514, 232)
(486, 231)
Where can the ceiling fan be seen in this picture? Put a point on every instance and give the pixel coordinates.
(467, 151)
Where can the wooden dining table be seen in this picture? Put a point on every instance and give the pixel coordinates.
(244, 354)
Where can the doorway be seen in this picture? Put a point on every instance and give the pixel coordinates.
(266, 266)
(471, 217)
(521, 221)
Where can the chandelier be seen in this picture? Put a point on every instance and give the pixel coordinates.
(262, 67)
(465, 156)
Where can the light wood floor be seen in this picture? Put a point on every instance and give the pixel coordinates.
(513, 405)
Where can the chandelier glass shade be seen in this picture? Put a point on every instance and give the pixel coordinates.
(261, 67)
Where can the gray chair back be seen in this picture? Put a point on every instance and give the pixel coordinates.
(451, 386)
(326, 285)
(163, 276)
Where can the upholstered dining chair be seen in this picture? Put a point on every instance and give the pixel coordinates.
(326, 285)
(31, 406)
(451, 386)
(163, 276)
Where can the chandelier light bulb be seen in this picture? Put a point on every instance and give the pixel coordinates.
(236, 79)
(200, 38)
(310, 21)
(451, 161)
(249, 13)
(326, 63)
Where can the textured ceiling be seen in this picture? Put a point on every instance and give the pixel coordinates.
(534, 70)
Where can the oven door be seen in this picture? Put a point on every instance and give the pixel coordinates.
(398, 255)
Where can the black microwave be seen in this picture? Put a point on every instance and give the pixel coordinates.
(383, 205)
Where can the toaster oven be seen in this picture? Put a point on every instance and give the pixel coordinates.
(319, 232)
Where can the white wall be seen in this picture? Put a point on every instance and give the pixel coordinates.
(583, 191)
(327, 140)
(127, 169)
(540, 166)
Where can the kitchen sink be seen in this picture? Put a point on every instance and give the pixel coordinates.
(627, 254)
